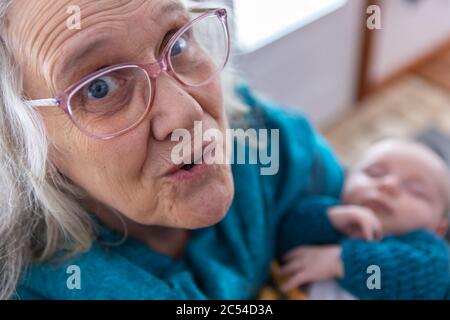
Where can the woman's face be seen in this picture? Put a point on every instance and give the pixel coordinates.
(132, 173)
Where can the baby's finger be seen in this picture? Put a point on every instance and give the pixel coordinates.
(298, 280)
(376, 228)
(297, 252)
(292, 267)
(378, 231)
(367, 231)
(356, 230)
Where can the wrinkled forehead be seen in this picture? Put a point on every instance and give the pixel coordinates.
(31, 25)
(28, 19)
(45, 34)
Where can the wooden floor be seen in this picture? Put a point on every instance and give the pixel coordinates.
(437, 70)
(401, 110)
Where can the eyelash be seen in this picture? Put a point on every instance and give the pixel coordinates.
(102, 67)
(166, 39)
(413, 190)
(375, 171)
(174, 28)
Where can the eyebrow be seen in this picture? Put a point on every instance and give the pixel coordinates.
(171, 7)
(94, 42)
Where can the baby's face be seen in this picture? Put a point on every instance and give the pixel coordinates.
(405, 184)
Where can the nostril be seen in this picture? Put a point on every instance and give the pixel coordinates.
(160, 127)
(388, 185)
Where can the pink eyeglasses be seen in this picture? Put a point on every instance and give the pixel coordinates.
(115, 100)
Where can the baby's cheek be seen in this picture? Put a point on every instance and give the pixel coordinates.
(437, 214)
(354, 191)
(419, 214)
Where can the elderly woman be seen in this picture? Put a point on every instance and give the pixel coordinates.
(87, 184)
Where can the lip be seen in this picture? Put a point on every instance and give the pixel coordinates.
(378, 206)
(176, 172)
(183, 175)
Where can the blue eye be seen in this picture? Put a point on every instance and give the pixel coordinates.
(178, 47)
(98, 89)
(101, 88)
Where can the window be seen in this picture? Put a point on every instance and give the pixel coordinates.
(260, 22)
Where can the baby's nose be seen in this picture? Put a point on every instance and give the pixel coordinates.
(389, 185)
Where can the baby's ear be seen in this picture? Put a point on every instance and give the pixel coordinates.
(442, 227)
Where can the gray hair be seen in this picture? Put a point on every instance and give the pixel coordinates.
(41, 211)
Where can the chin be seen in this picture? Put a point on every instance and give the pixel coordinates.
(208, 206)
(207, 211)
(200, 220)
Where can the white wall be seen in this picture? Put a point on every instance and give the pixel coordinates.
(411, 29)
(315, 67)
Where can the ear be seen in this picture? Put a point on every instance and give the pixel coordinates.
(442, 227)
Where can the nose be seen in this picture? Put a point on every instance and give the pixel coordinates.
(389, 185)
(173, 108)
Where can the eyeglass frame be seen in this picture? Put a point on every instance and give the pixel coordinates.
(151, 70)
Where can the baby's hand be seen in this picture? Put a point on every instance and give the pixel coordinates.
(304, 265)
(357, 222)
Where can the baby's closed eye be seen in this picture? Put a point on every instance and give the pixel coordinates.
(418, 189)
(376, 170)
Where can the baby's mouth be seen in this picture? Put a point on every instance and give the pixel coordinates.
(378, 206)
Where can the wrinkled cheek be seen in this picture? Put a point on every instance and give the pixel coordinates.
(154, 204)
(214, 96)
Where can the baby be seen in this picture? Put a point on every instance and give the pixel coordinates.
(389, 224)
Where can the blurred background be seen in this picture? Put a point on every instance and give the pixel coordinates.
(357, 85)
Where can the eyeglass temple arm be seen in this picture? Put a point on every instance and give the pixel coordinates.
(44, 103)
(201, 9)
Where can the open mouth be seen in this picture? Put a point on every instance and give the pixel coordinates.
(197, 161)
(193, 164)
(188, 167)
(189, 171)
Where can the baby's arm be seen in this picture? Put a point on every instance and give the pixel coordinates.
(412, 266)
(322, 220)
(307, 223)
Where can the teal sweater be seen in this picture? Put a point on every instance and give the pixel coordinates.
(230, 260)
(412, 266)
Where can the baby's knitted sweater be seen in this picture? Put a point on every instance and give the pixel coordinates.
(412, 266)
